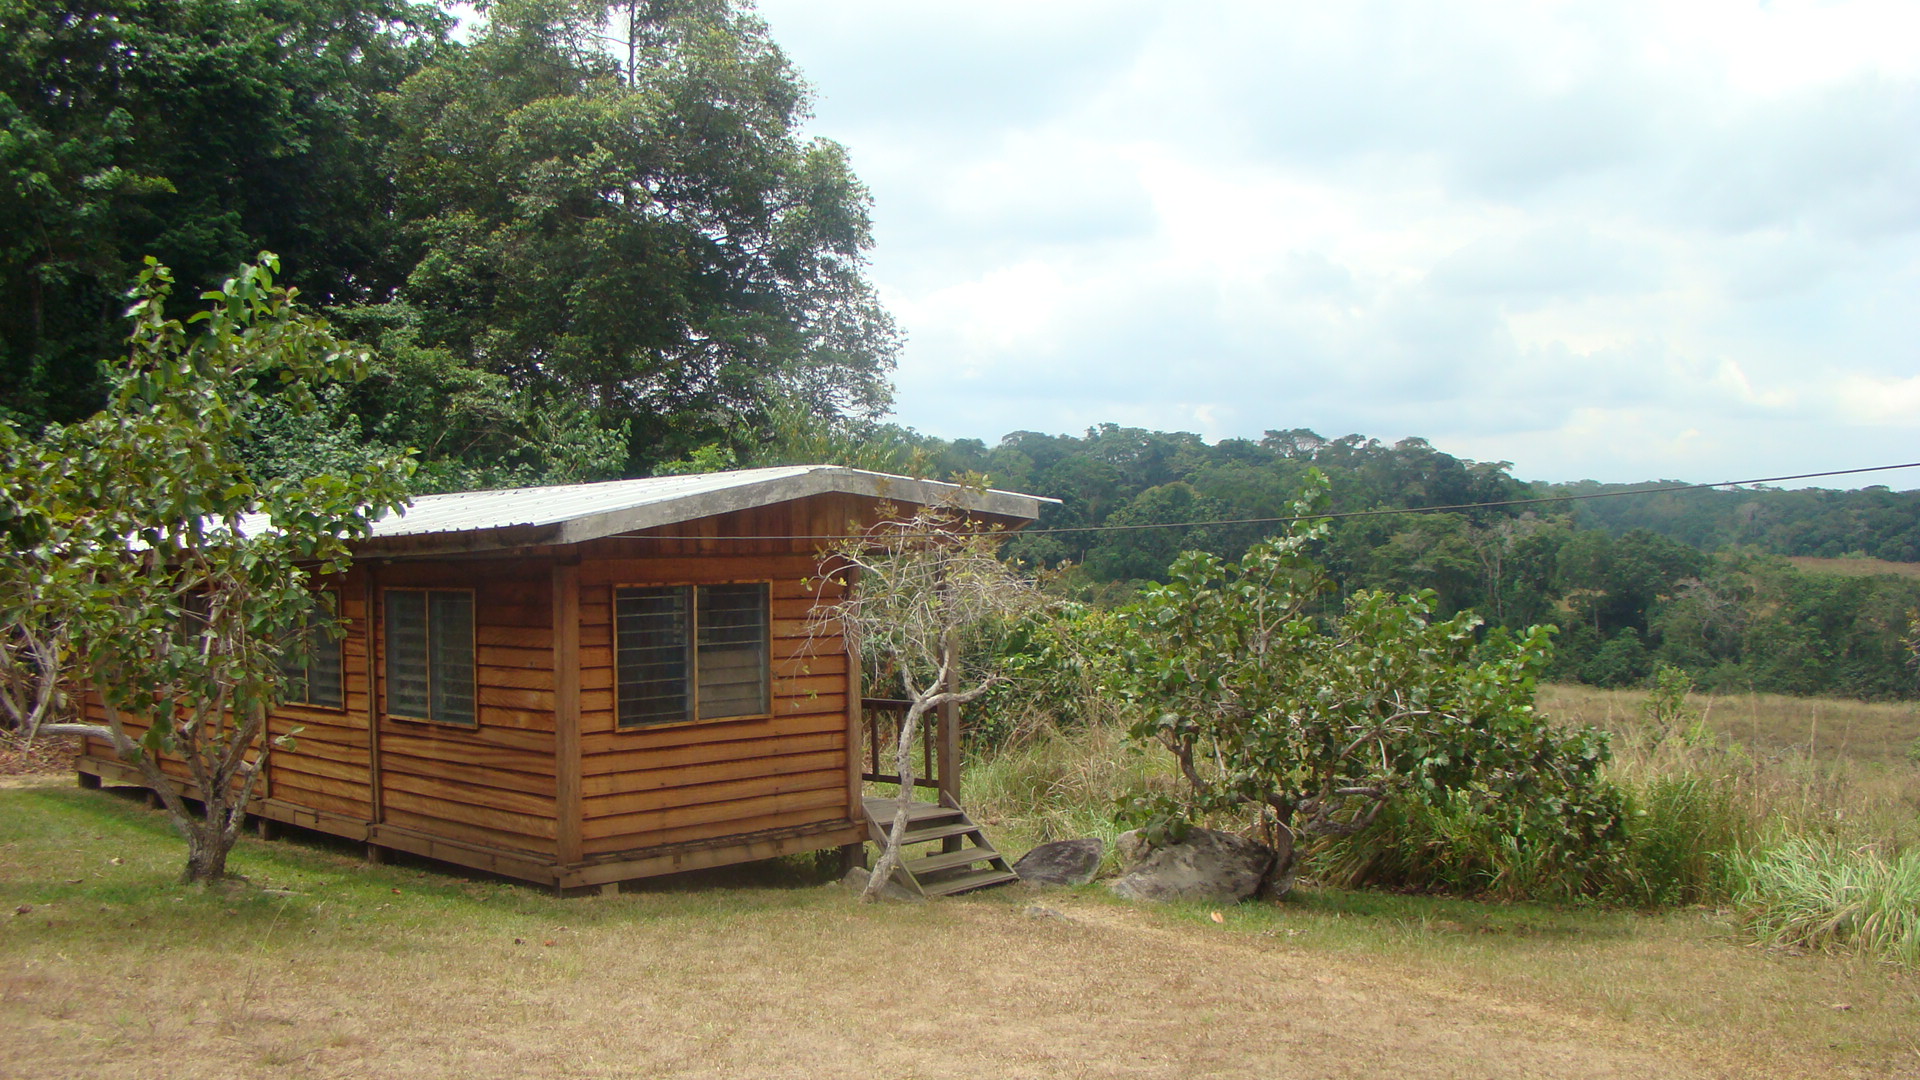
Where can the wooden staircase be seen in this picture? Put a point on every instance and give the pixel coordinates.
(961, 860)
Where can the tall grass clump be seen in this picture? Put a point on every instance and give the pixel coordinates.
(1823, 895)
(1684, 838)
(1063, 783)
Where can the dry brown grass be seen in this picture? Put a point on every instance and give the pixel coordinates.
(40, 758)
(1855, 567)
(1797, 766)
(1772, 724)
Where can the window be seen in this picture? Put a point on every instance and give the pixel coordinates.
(430, 655)
(311, 662)
(691, 652)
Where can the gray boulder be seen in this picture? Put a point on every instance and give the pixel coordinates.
(1208, 866)
(1062, 862)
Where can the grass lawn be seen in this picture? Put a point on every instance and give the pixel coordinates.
(323, 966)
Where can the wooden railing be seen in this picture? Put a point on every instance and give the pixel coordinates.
(938, 746)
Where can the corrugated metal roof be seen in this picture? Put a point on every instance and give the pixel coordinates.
(571, 513)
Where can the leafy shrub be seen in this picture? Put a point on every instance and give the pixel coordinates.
(1677, 845)
(1466, 846)
(1320, 724)
(1055, 665)
(1667, 709)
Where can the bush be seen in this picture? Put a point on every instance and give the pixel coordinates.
(1458, 845)
(1681, 837)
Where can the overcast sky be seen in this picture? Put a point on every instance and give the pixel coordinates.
(1615, 240)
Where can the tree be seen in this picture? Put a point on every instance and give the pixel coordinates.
(170, 577)
(198, 131)
(1318, 725)
(612, 205)
(918, 588)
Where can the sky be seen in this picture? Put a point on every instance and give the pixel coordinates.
(1615, 240)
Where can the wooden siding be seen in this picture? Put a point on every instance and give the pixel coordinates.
(327, 769)
(695, 781)
(493, 784)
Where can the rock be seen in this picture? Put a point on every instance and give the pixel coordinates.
(856, 883)
(1132, 847)
(1208, 866)
(1062, 862)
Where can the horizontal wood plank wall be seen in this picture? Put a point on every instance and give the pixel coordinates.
(702, 781)
(491, 784)
(327, 769)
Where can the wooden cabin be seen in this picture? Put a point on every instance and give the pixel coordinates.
(585, 684)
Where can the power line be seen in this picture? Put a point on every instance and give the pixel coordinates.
(1342, 515)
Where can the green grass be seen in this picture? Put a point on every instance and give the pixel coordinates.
(1057, 785)
(104, 858)
(1705, 804)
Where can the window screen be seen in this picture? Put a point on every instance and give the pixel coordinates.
(651, 639)
(429, 638)
(732, 661)
(686, 652)
(311, 662)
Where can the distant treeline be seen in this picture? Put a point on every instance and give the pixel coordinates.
(1875, 522)
(1694, 579)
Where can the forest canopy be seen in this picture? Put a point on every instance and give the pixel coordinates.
(585, 241)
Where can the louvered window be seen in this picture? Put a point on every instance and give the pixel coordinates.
(691, 652)
(311, 662)
(430, 655)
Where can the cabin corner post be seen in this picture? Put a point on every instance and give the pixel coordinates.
(568, 805)
(370, 630)
(948, 754)
(856, 720)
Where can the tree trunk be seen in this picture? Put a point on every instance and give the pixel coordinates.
(896, 835)
(207, 848)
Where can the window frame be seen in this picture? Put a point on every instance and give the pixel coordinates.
(691, 674)
(306, 631)
(387, 656)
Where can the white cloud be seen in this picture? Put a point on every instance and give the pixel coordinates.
(1615, 240)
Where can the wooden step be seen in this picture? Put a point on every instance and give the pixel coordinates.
(962, 827)
(882, 811)
(977, 879)
(947, 860)
(940, 873)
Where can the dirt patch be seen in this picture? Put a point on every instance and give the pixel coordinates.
(972, 988)
(41, 760)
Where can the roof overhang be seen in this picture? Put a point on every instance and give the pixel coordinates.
(476, 521)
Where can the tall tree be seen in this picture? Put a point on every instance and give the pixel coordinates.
(197, 131)
(615, 206)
